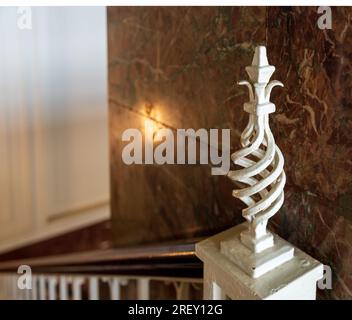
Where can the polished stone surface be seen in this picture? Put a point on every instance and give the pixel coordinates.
(313, 128)
(178, 66)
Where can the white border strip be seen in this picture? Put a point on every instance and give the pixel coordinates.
(173, 3)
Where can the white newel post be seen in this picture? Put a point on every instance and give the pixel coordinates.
(248, 261)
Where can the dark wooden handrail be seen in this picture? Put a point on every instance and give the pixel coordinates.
(166, 259)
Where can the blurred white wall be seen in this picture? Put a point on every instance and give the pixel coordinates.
(53, 121)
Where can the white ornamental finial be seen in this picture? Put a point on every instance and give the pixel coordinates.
(262, 162)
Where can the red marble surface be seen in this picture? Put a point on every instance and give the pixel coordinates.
(313, 127)
(179, 66)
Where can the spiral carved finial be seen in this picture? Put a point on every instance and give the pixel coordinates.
(262, 175)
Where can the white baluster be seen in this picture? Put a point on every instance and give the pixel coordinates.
(217, 292)
(27, 294)
(11, 288)
(63, 287)
(115, 286)
(115, 289)
(76, 287)
(143, 289)
(34, 291)
(2, 287)
(16, 293)
(42, 287)
(52, 287)
(6, 287)
(182, 290)
(93, 288)
(20, 293)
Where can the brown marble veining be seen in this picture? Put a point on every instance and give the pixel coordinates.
(312, 126)
(178, 66)
(180, 63)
